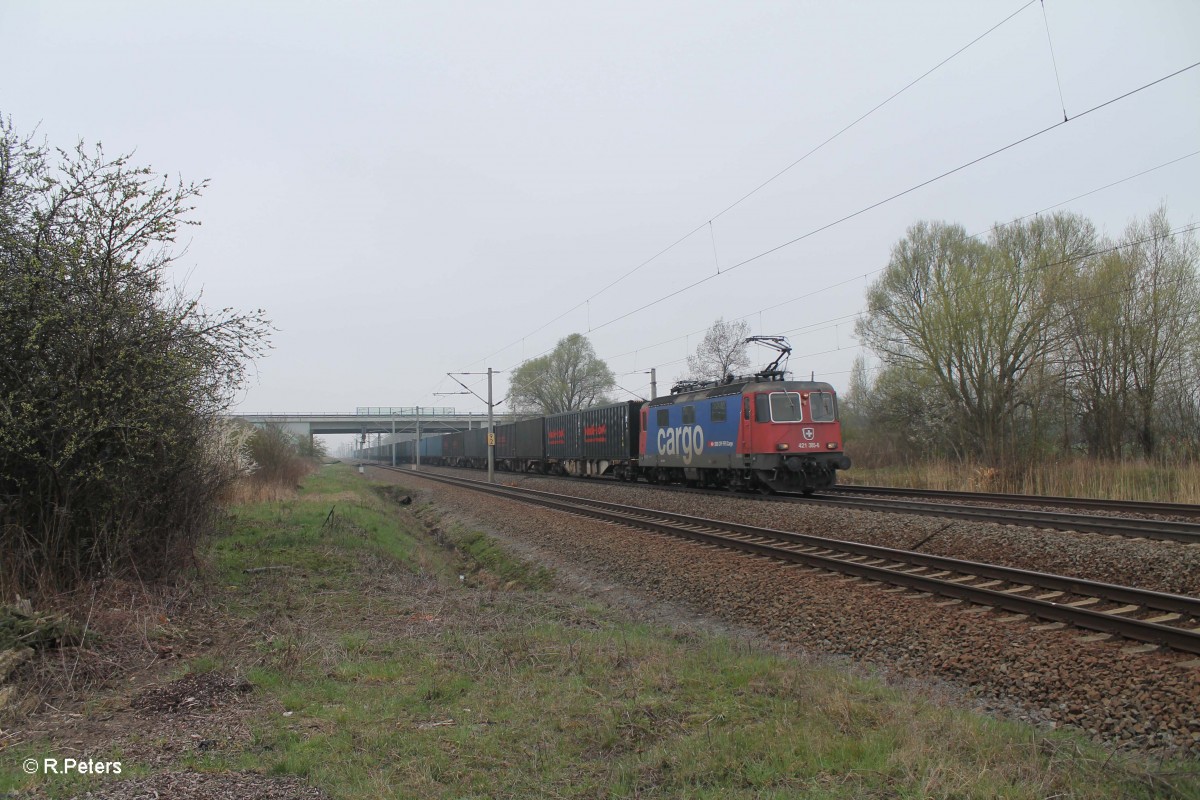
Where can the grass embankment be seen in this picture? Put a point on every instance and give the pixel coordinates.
(1081, 477)
(380, 672)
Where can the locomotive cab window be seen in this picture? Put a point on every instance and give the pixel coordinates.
(821, 407)
(717, 411)
(746, 407)
(689, 415)
(664, 418)
(762, 408)
(785, 407)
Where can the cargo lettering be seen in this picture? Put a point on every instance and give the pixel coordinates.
(686, 440)
(556, 436)
(595, 434)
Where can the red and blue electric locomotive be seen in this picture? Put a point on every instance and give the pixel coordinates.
(763, 434)
(760, 432)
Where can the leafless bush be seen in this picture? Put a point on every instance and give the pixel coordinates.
(276, 458)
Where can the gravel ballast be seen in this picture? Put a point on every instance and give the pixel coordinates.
(1113, 690)
(1156, 565)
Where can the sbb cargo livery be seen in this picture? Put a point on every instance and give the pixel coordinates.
(761, 433)
(754, 434)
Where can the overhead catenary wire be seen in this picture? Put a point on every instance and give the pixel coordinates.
(833, 322)
(627, 391)
(1014, 221)
(877, 204)
(1076, 302)
(895, 196)
(1090, 192)
(1092, 253)
(1054, 62)
(1180, 231)
(814, 327)
(768, 181)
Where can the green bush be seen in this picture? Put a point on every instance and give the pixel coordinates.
(111, 381)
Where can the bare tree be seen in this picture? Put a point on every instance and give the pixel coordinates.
(1015, 345)
(721, 352)
(1131, 321)
(1097, 354)
(568, 378)
(975, 319)
(1165, 312)
(1180, 407)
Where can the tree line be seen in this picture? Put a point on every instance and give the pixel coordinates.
(572, 376)
(1044, 338)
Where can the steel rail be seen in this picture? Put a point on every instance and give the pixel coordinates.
(1127, 527)
(709, 531)
(1163, 530)
(1135, 506)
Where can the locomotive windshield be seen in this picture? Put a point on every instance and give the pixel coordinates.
(821, 407)
(785, 407)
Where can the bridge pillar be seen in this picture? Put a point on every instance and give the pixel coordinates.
(299, 429)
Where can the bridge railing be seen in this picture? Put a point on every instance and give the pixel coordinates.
(364, 412)
(406, 411)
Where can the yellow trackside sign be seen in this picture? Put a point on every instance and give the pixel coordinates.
(491, 440)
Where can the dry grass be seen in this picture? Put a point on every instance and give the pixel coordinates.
(278, 481)
(278, 462)
(1081, 477)
(118, 628)
(379, 672)
(247, 490)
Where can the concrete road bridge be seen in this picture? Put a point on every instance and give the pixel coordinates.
(404, 422)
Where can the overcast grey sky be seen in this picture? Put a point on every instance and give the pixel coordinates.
(416, 188)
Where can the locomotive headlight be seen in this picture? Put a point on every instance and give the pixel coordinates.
(832, 445)
(781, 446)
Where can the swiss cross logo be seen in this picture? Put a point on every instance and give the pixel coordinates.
(809, 433)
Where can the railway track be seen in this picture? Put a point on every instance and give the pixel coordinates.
(1186, 510)
(1129, 527)
(1054, 601)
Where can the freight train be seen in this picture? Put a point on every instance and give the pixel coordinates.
(756, 433)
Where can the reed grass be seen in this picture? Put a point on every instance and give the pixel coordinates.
(1079, 477)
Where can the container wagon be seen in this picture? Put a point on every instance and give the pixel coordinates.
(521, 446)
(595, 441)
